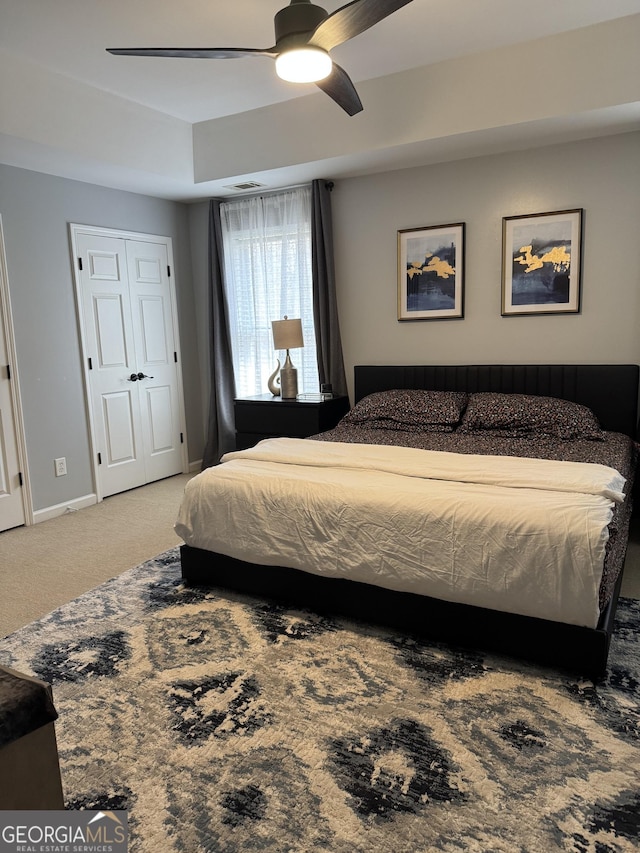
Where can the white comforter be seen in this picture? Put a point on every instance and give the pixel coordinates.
(521, 535)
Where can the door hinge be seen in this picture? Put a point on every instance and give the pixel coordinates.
(20, 477)
(168, 270)
(9, 371)
(175, 357)
(99, 458)
(80, 264)
(181, 438)
(90, 364)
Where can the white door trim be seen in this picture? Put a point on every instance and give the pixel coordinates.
(75, 230)
(16, 400)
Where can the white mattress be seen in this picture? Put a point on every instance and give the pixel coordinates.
(525, 536)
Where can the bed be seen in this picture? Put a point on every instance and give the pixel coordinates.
(479, 506)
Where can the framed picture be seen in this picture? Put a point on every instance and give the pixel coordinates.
(541, 263)
(431, 273)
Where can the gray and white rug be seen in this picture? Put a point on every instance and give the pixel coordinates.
(224, 723)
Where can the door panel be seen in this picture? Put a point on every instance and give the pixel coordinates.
(152, 315)
(12, 508)
(4, 478)
(152, 323)
(104, 266)
(109, 317)
(162, 426)
(147, 270)
(11, 504)
(110, 346)
(120, 427)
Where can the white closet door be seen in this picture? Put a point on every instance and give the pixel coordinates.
(127, 313)
(11, 499)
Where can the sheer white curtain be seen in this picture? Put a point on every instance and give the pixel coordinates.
(267, 274)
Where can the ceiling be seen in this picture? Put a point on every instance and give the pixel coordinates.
(188, 129)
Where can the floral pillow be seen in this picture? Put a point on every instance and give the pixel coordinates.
(516, 415)
(410, 410)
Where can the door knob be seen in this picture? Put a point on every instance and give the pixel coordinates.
(143, 376)
(133, 378)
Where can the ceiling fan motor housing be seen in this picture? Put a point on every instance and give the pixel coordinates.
(299, 18)
(304, 32)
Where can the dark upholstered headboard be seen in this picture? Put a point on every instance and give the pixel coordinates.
(609, 390)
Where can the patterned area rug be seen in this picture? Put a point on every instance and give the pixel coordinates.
(226, 723)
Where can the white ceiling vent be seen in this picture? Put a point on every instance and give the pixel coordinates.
(247, 185)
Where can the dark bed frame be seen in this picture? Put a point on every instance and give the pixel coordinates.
(611, 391)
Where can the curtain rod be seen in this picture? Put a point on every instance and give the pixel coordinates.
(329, 185)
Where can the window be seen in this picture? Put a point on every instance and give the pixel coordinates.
(267, 274)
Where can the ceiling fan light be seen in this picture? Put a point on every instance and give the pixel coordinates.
(304, 65)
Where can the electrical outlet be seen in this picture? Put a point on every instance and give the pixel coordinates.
(61, 466)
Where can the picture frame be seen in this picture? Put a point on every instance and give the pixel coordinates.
(431, 272)
(542, 263)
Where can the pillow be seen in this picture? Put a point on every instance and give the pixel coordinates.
(411, 410)
(518, 415)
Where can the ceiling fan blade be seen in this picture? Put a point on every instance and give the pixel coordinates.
(338, 86)
(194, 52)
(351, 20)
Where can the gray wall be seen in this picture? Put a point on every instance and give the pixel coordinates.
(36, 210)
(600, 175)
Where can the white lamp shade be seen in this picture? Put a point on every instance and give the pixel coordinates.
(303, 65)
(287, 334)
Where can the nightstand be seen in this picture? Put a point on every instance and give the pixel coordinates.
(265, 416)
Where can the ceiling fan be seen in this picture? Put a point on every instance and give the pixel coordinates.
(305, 33)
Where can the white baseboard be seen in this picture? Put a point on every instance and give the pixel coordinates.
(195, 466)
(60, 509)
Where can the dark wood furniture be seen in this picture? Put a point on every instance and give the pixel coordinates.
(266, 416)
(29, 765)
(611, 391)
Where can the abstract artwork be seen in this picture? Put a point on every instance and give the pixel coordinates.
(431, 273)
(541, 263)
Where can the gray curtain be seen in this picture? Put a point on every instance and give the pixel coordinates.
(221, 433)
(325, 308)
(221, 425)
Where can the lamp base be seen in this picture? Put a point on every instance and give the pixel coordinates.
(288, 380)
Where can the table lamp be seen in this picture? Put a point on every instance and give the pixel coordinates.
(287, 334)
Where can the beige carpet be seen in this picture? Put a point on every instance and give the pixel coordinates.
(48, 564)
